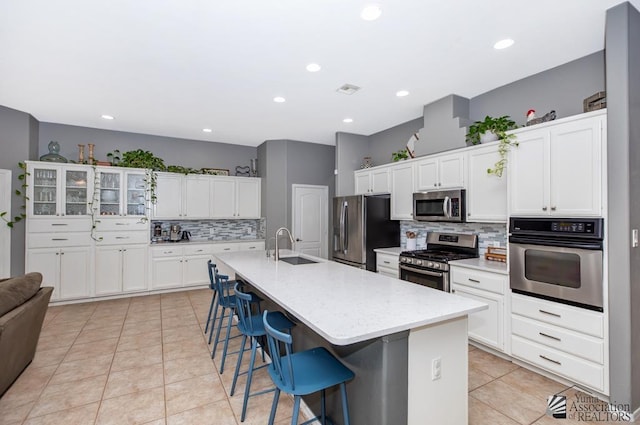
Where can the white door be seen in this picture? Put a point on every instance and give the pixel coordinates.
(134, 268)
(47, 262)
(527, 177)
(223, 199)
(75, 266)
(5, 234)
(108, 270)
(427, 174)
(487, 194)
(168, 196)
(310, 219)
(402, 192)
(197, 194)
(380, 181)
(362, 185)
(248, 198)
(451, 171)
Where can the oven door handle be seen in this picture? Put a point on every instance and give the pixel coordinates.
(427, 272)
(523, 240)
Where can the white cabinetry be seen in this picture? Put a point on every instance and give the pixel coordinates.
(440, 172)
(235, 197)
(486, 326)
(372, 180)
(557, 169)
(562, 339)
(67, 269)
(402, 191)
(388, 264)
(180, 196)
(121, 193)
(56, 190)
(121, 262)
(487, 193)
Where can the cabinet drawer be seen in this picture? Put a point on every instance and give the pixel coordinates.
(389, 272)
(570, 342)
(52, 240)
(479, 279)
(197, 250)
(571, 367)
(60, 225)
(565, 316)
(122, 238)
(166, 251)
(124, 224)
(224, 247)
(387, 261)
(251, 246)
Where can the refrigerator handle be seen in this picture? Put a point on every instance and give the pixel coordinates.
(345, 245)
(341, 241)
(446, 207)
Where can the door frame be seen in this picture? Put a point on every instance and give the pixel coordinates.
(324, 249)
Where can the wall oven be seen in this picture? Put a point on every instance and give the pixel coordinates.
(440, 205)
(559, 259)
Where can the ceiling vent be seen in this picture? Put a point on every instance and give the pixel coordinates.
(348, 89)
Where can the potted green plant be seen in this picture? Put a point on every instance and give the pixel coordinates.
(491, 129)
(400, 155)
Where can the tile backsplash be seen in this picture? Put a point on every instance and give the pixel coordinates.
(488, 233)
(222, 229)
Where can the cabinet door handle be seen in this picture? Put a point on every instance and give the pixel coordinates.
(122, 237)
(549, 313)
(227, 249)
(386, 262)
(122, 224)
(200, 250)
(252, 247)
(474, 280)
(59, 239)
(550, 336)
(553, 208)
(62, 224)
(167, 252)
(544, 208)
(550, 360)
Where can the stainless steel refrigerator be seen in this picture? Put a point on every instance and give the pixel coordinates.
(360, 225)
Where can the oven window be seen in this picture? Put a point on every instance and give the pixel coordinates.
(422, 279)
(430, 207)
(556, 268)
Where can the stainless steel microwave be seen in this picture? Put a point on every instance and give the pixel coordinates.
(440, 205)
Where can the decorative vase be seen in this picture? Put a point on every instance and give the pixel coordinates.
(366, 162)
(411, 244)
(488, 136)
(80, 154)
(91, 160)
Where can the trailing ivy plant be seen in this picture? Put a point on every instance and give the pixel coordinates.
(498, 126)
(93, 204)
(22, 192)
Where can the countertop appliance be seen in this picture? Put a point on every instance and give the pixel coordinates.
(440, 205)
(558, 259)
(174, 233)
(430, 267)
(360, 225)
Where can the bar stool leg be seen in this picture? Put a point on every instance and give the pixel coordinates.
(213, 299)
(237, 372)
(226, 342)
(323, 408)
(274, 406)
(247, 389)
(296, 410)
(217, 338)
(345, 405)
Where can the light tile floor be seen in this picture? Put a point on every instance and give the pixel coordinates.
(145, 360)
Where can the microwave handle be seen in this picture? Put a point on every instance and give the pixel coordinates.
(446, 207)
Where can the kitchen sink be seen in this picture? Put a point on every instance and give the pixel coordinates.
(297, 260)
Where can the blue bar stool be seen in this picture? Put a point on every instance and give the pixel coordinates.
(227, 301)
(303, 373)
(252, 326)
(214, 307)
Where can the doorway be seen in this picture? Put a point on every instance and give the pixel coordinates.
(310, 219)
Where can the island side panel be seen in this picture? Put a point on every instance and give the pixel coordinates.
(445, 400)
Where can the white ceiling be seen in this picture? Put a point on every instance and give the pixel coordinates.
(174, 67)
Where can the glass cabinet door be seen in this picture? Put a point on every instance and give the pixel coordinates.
(75, 188)
(136, 201)
(45, 191)
(110, 193)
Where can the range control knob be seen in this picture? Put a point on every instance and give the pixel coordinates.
(436, 265)
(429, 264)
(418, 262)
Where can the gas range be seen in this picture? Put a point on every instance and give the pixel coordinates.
(430, 267)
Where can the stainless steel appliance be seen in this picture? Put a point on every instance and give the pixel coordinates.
(174, 233)
(440, 205)
(559, 259)
(360, 225)
(430, 267)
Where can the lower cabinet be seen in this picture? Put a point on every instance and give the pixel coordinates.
(67, 269)
(121, 268)
(486, 326)
(387, 264)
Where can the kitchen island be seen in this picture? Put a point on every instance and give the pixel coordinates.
(395, 335)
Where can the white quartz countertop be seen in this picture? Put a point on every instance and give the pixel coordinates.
(203, 242)
(394, 250)
(482, 264)
(345, 304)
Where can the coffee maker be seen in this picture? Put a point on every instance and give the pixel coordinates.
(174, 233)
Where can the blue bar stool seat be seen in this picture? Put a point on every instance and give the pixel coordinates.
(303, 373)
(252, 326)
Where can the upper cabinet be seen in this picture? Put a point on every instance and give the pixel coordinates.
(58, 190)
(486, 193)
(121, 192)
(402, 191)
(557, 170)
(440, 172)
(372, 180)
(180, 196)
(235, 197)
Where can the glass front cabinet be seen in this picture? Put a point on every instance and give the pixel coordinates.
(56, 190)
(121, 193)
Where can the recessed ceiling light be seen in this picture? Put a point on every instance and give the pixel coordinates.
(347, 120)
(207, 130)
(503, 44)
(107, 117)
(279, 99)
(371, 12)
(313, 67)
(402, 93)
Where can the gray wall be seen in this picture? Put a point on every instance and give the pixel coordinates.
(562, 88)
(184, 152)
(350, 150)
(384, 143)
(623, 184)
(18, 142)
(287, 162)
(444, 126)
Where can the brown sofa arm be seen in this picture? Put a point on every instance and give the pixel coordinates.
(19, 333)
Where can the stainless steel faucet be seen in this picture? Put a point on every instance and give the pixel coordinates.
(277, 253)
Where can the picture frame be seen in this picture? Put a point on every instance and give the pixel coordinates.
(215, 171)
